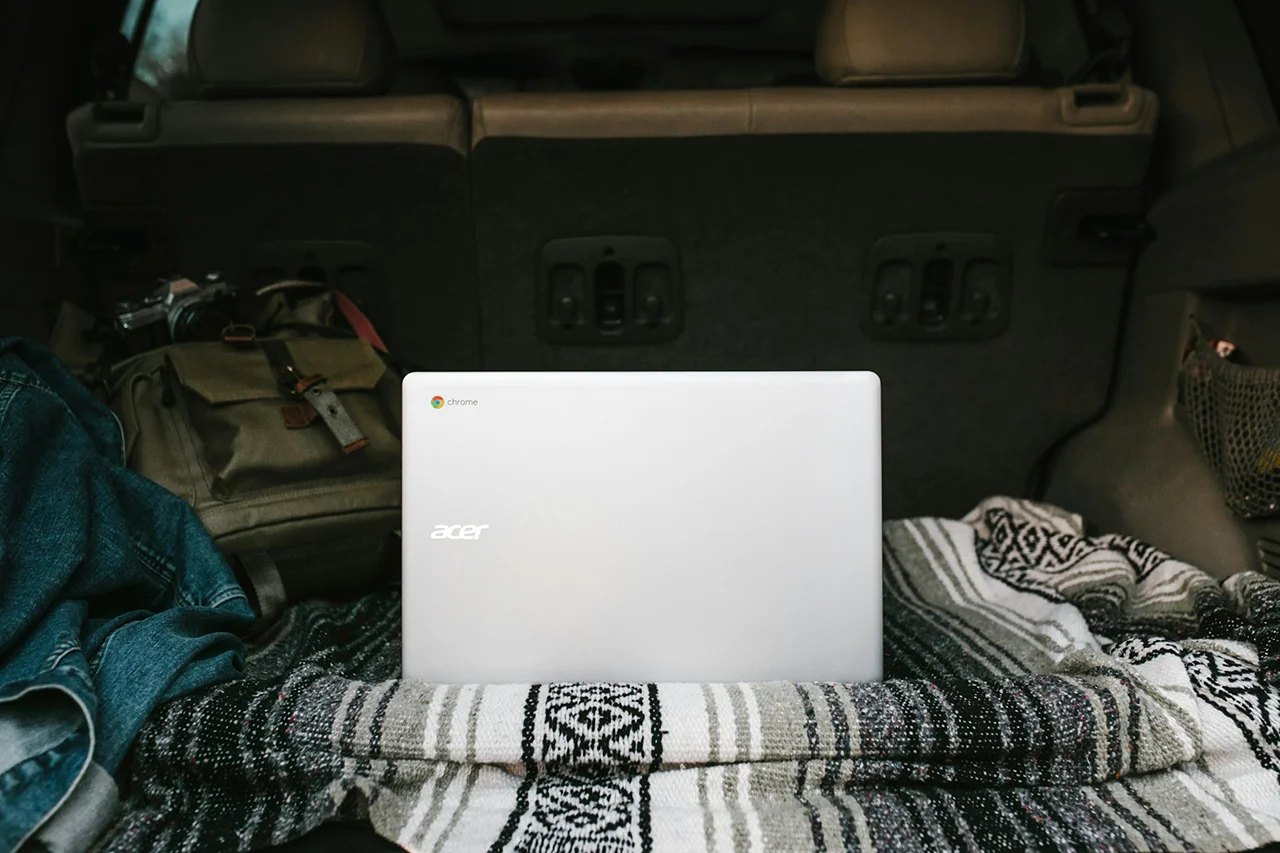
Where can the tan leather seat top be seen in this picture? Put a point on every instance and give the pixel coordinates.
(899, 41)
(434, 120)
(641, 115)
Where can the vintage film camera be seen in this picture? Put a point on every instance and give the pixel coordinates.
(179, 310)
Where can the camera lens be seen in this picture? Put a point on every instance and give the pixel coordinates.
(179, 322)
(199, 322)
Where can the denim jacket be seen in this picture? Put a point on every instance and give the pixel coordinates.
(113, 599)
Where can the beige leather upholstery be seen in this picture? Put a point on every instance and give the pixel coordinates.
(650, 115)
(434, 120)
(611, 115)
(285, 48)
(892, 41)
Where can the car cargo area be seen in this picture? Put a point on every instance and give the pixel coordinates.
(1048, 226)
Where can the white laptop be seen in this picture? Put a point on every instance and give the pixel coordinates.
(642, 527)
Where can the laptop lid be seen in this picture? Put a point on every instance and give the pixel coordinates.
(641, 527)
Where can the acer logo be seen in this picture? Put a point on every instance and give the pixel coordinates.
(458, 531)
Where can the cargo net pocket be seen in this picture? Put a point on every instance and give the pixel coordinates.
(1234, 412)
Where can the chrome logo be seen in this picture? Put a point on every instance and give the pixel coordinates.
(437, 402)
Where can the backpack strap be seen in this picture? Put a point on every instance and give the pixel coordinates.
(360, 324)
(316, 392)
(260, 575)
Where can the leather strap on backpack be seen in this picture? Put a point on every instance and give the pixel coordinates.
(260, 576)
(274, 580)
(315, 392)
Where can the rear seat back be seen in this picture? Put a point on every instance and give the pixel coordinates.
(795, 211)
(294, 162)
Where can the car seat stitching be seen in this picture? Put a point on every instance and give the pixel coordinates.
(844, 45)
(454, 132)
(1022, 41)
(477, 122)
(364, 57)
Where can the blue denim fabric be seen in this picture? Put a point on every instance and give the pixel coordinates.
(113, 598)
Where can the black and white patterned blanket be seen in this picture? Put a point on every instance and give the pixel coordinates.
(1048, 692)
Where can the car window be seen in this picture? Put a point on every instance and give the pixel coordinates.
(160, 70)
(129, 25)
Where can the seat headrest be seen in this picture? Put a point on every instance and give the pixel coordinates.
(891, 41)
(262, 48)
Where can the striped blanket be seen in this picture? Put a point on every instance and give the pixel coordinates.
(1048, 691)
